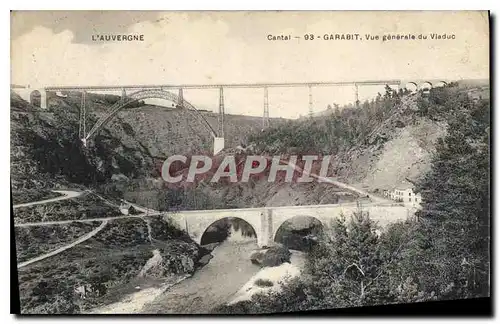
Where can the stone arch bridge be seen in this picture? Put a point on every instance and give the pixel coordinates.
(267, 220)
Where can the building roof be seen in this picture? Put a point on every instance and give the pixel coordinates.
(404, 186)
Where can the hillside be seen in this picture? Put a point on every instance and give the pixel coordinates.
(386, 142)
(46, 149)
(443, 253)
(47, 153)
(398, 150)
(474, 86)
(165, 132)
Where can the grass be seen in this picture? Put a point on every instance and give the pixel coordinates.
(123, 233)
(111, 259)
(83, 207)
(33, 241)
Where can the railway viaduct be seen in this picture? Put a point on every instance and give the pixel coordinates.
(174, 92)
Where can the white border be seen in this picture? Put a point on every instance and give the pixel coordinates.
(191, 5)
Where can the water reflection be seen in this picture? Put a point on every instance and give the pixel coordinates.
(299, 233)
(231, 229)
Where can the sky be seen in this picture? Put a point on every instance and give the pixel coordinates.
(56, 48)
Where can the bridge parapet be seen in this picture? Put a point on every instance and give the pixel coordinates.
(195, 223)
(267, 220)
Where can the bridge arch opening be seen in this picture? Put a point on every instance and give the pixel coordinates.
(299, 232)
(228, 228)
(441, 84)
(161, 102)
(36, 98)
(411, 86)
(425, 86)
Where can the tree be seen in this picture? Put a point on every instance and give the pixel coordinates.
(455, 211)
(351, 266)
(352, 258)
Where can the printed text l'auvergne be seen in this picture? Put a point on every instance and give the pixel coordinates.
(118, 38)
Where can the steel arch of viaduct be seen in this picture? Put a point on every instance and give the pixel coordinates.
(149, 94)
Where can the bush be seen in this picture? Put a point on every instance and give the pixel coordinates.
(276, 255)
(272, 257)
(133, 211)
(263, 283)
(128, 129)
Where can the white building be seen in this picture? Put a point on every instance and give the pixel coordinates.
(404, 194)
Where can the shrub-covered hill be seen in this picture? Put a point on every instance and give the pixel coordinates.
(46, 149)
(442, 254)
(46, 152)
(378, 145)
(93, 273)
(33, 241)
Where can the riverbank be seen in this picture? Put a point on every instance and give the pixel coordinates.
(228, 278)
(134, 302)
(212, 285)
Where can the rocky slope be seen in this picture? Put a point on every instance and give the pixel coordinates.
(397, 150)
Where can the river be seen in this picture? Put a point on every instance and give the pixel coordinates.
(229, 277)
(212, 285)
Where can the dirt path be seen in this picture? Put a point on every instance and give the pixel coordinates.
(139, 208)
(67, 194)
(374, 198)
(88, 220)
(72, 194)
(64, 248)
